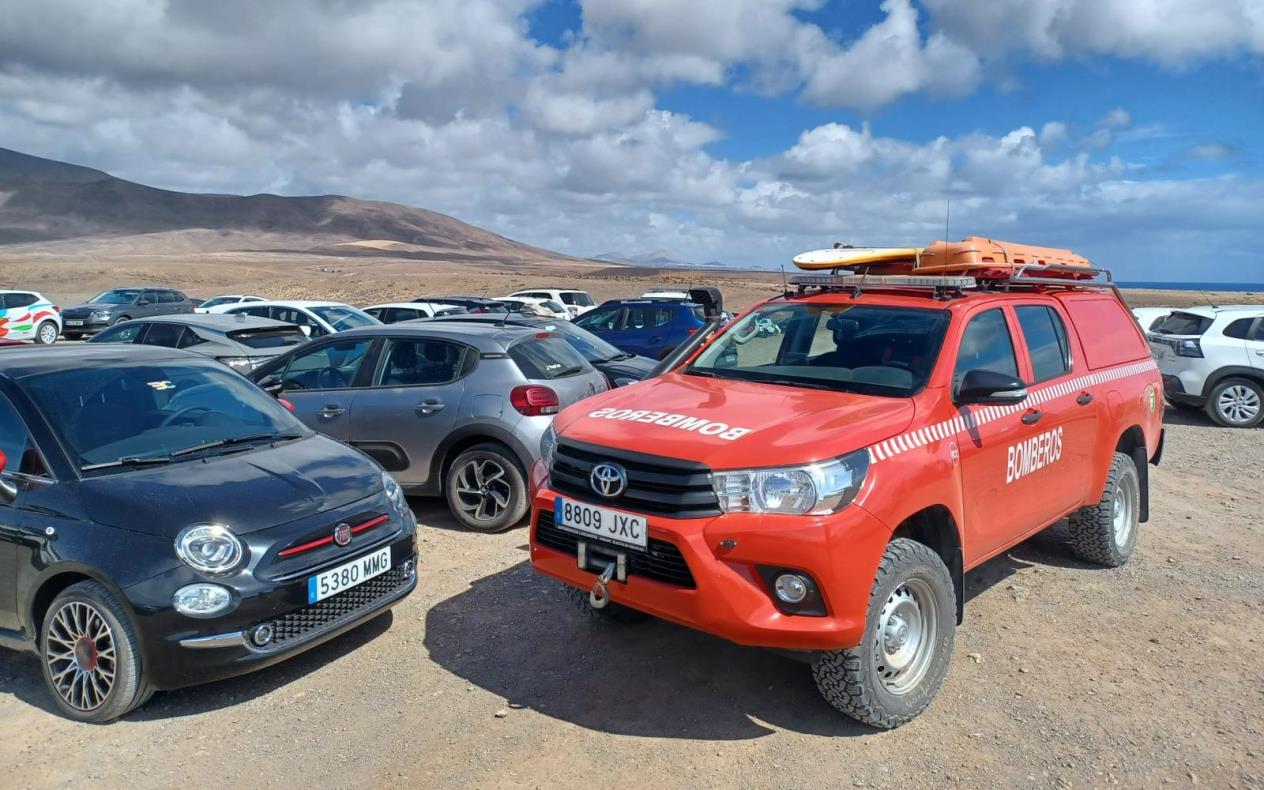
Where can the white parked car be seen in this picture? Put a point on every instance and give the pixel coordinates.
(1149, 317)
(577, 302)
(536, 307)
(224, 301)
(1212, 358)
(316, 319)
(27, 315)
(394, 312)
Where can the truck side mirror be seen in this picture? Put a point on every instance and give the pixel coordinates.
(989, 387)
(8, 491)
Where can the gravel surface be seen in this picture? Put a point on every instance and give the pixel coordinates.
(1064, 675)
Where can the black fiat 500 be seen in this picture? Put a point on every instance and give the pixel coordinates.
(163, 523)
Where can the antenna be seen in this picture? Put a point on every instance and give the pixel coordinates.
(947, 216)
(1207, 296)
(783, 279)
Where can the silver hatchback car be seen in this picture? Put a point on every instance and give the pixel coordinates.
(456, 410)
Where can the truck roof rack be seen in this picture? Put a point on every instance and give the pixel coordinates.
(1035, 277)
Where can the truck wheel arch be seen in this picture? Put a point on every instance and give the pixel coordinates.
(936, 528)
(1133, 442)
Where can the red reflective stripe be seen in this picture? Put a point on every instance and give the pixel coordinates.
(299, 549)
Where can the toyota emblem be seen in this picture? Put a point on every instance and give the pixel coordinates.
(608, 479)
(342, 534)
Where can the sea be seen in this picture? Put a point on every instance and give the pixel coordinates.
(1174, 286)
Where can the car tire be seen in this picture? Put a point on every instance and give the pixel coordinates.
(86, 625)
(1106, 533)
(911, 620)
(1236, 403)
(612, 613)
(485, 489)
(46, 333)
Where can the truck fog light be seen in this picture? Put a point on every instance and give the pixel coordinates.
(791, 588)
(261, 634)
(202, 600)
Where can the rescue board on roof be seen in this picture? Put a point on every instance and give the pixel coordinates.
(974, 255)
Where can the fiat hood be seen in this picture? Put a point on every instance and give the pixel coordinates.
(728, 424)
(247, 491)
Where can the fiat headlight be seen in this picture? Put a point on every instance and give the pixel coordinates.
(815, 489)
(395, 494)
(210, 548)
(548, 445)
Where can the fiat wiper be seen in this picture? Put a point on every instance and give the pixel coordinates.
(128, 460)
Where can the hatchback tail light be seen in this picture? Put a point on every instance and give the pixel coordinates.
(533, 400)
(57, 309)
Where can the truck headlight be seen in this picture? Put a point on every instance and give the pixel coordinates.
(815, 489)
(210, 548)
(548, 445)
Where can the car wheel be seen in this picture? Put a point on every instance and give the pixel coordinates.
(612, 613)
(90, 655)
(1106, 533)
(1236, 403)
(895, 671)
(486, 490)
(46, 333)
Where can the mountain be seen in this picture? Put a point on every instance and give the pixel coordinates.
(657, 258)
(46, 205)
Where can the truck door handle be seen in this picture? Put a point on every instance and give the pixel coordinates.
(331, 411)
(1084, 398)
(429, 407)
(1032, 417)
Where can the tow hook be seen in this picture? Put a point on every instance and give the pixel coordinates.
(599, 596)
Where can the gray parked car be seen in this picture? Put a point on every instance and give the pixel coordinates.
(122, 304)
(242, 342)
(449, 409)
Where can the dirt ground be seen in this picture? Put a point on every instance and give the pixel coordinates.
(1064, 675)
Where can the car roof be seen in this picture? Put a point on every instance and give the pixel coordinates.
(224, 322)
(651, 300)
(552, 288)
(485, 336)
(1207, 311)
(294, 303)
(408, 305)
(22, 361)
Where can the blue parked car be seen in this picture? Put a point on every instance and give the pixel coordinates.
(649, 327)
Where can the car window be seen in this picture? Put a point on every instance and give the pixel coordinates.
(258, 312)
(332, 366)
(16, 443)
(410, 363)
(165, 335)
(291, 315)
(252, 299)
(395, 315)
(126, 332)
(1179, 323)
(15, 300)
(218, 300)
(603, 319)
(270, 337)
(1258, 332)
(986, 345)
(1046, 340)
(1239, 329)
(116, 296)
(646, 317)
(577, 298)
(547, 358)
(341, 318)
(167, 297)
(589, 346)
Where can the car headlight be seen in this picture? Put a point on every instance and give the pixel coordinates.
(395, 494)
(548, 444)
(100, 315)
(815, 489)
(210, 548)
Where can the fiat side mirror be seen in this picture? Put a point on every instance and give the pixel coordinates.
(8, 491)
(989, 387)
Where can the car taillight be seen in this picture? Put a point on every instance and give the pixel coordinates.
(692, 330)
(1188, 348)
(57, 309)
(533, 400)
(286, 404)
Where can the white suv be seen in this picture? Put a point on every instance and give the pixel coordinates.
(1213, 358)
(577, 302)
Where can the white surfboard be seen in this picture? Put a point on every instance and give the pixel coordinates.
(844, 257)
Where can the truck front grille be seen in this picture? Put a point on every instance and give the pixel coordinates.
(657, 486)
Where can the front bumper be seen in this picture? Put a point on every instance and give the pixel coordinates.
(181, 651)
(724, 556)
(85, 326)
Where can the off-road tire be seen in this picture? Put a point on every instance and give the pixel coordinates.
(849, 679)
(612, 613)
(130, 689)
(1250, 388)
(39, 333)
(1093, 535)
(514, 477)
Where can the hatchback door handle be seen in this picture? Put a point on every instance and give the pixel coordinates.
(429, 407)
(1032, 417)
(331, 411)
(1085, 398)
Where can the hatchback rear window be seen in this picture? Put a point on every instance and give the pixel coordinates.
(1179, 323)
(547, 358)
(268, 338)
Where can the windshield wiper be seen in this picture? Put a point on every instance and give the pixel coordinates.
(129, 460)
(236, 440)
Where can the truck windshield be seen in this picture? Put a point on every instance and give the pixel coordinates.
(867, 349)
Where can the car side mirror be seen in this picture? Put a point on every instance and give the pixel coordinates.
(271, 384)
(989, 387)
(8, 491)
(711, 299)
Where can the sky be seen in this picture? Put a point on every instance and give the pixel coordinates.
(742, 131)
